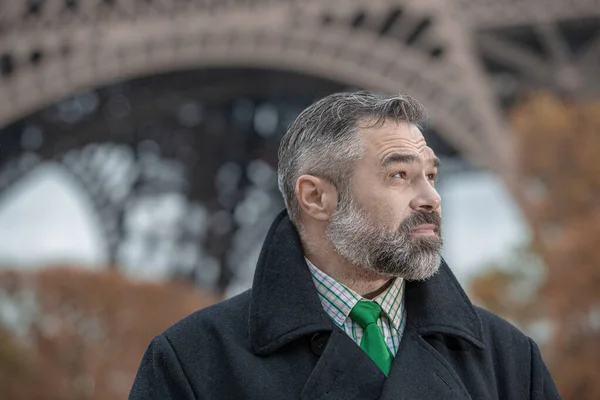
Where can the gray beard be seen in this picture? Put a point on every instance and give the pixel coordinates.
(398, 253)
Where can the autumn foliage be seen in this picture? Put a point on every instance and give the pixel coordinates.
(78, 334)
(558, 189)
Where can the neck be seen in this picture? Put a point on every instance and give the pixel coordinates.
(366, 283)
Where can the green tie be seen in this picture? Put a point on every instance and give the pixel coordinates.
(366, 314)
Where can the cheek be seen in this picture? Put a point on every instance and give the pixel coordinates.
(385, 206)
(390, 212)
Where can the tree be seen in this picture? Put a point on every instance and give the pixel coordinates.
(558, 189)
(81, 334)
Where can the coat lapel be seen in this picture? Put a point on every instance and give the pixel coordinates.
(284, 304)
(439, 305)
(344, 371)
(419, 372)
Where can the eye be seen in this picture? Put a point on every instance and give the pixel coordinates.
(432, 177)
(399, 174)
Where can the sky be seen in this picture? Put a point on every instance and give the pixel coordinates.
(481, 223)
(47, 219)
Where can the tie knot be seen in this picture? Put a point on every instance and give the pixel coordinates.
(365, 313)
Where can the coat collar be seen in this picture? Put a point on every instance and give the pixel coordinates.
(285, 306)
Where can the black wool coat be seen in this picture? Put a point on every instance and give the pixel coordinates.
(275, 341)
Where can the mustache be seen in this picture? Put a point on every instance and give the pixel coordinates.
(421, 218)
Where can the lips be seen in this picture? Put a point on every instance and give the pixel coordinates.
(424, 229)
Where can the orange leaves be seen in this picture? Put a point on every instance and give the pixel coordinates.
(559, 171)
(88, 329)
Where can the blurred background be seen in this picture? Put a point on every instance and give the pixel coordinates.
(138, 143)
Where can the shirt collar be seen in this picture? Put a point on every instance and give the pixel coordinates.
(338, 300)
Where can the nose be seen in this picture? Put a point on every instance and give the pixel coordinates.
(426, 199)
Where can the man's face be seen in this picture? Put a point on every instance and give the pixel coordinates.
(389, 220)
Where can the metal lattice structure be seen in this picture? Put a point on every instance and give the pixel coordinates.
(50, 49)
(462, 58)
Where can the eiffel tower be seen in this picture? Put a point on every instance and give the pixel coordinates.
(154, 102)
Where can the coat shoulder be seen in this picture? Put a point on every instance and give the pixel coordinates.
(516, 359)
(496, 328)
(191, 356)
(222, 319)
(508, 346)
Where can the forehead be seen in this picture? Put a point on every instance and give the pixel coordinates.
(394, 136)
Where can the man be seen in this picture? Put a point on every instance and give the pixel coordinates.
(351, 299)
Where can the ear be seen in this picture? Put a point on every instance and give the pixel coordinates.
(317, 197)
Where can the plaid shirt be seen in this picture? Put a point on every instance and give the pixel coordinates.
(337, 301)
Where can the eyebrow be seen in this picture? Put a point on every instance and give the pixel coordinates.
(406, 158)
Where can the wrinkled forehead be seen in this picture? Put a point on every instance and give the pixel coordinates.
(396, 136)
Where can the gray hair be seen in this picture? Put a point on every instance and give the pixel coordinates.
(323, 139)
